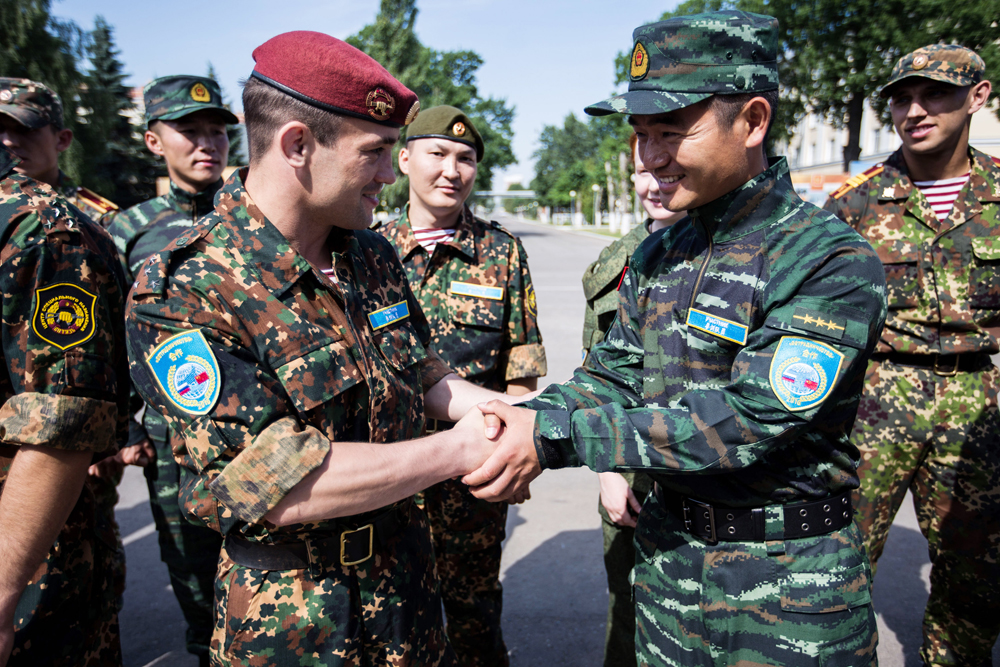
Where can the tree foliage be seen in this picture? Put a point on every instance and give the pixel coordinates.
(237, 156)
(437, 77)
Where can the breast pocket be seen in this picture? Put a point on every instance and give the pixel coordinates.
(984, 275)
(899, 259)
(317, 376)
(477, 334)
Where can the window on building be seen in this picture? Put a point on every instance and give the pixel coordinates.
(831, 149)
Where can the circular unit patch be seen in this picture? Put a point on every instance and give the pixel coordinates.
(199, 93)
(803, 372)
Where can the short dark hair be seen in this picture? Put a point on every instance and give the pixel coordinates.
(266, 109)
(727, 107)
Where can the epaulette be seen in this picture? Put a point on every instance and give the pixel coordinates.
(95, 201)
(855, 181)
(497, 225)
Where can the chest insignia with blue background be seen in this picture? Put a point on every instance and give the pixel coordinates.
(717, 326)
(803, 372)
(481, 291)
(187, 372)
(386, 316)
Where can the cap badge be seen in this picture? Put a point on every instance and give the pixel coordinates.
(380, 104)
(640, 62)
(411, 115)
(458, 129)
(199, 93)
(6, 95)
(919, 61)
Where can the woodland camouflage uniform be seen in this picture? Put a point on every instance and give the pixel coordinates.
(928, 421)
(732, 376)
(490, 338)
(64, 351)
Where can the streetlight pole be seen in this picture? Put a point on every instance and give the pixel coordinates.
(597, 204)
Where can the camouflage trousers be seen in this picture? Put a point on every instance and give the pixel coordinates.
(795, 603)
(467, 534)
(384, 611)
(68, 613)
(619, 557)
(190, 551)
(939, 438)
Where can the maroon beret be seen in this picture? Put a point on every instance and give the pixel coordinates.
(329, 74)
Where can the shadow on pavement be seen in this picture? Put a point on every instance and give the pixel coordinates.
(900, 593)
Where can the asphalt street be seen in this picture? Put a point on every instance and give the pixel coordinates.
(555, 592)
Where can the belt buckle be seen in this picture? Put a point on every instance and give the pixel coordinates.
(431, 426)
(709, 511)
(947, 374)
(343, 544)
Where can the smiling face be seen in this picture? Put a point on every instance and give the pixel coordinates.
(195, 147)
(692, 159)
(931, 117)
(442, 174)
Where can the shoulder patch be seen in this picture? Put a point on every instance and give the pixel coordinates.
(803, 372)
(186, 370)
(95, 201)
(855, 181)
(64, 315)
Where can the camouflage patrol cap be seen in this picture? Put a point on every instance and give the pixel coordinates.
(173, 97)
(947, 63)
(30, 103)
(447, 122)
(684, 60)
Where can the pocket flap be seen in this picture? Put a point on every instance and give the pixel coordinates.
(317, 376)
(986, 248)
(826, 592)
(400, 345)
(476, 311)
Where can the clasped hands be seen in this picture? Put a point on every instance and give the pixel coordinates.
(500, 451)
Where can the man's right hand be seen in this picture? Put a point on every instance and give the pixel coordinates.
(616, 496)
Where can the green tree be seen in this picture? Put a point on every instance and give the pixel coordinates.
(237, 157)
(437, 77)
(116, 161)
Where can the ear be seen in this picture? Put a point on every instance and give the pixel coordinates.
(979, 95)
(153, 143)
(755, 117)
(64, 138)
(295, 143)
(404, 161)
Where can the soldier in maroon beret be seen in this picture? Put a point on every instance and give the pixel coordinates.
(275, 330)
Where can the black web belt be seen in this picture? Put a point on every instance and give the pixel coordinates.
(715, 523)
(945, 365)
(347, 546)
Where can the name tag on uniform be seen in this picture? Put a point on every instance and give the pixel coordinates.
(386, 316)
(717, 326)
(481, 291)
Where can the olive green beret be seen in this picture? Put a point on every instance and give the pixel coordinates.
(446, 122)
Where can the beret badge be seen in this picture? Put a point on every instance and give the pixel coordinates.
(6, 95)
(199, 93)
(458, 129)
(380, 104)
(640, 62)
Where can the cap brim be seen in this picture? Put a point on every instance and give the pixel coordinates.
(645, 103)
(228, 115)
(886, 90)
(27, 117)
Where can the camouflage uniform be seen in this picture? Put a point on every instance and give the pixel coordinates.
(489, 339)
(100, 210)
(600, 282)
(922, 426)
(288, 362)
(190, 551)
(56, 262)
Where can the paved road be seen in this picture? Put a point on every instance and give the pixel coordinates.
(553, 574)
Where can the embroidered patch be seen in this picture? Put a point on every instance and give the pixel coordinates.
(386, 316)
(717, 326)
(186, 370)
(481, 291)
(640, 62)
(529, 302)
(380, 104)
(803, 372)
(813, 321)
(64, 315)
(458, 129)
(199, 93)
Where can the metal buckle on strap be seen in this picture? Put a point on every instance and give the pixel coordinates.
(343, 544)
(946, 373)
(709, 513)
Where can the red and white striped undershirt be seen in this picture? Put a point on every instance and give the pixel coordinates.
(429, 238)
(331, 274)
(942, 194)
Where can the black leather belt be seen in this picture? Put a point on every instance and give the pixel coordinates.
(945, 365)
(435, 425)
(746, 524)
(347, 546)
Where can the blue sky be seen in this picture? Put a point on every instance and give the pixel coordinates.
(547, 57)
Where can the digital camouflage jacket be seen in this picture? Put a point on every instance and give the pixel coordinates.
(734, 369)
(476, 292)
(943, 277)
(260, 361)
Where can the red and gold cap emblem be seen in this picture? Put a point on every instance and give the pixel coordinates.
(380, 104)
(639, 63)
(458, 129)
(199, 93)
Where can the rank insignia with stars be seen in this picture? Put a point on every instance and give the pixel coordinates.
(813, 321)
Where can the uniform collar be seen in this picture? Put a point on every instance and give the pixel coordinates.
(198, 203)
(65, 185)
(464, 240)
(984, 178)
(751, 206)
(265, 251)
